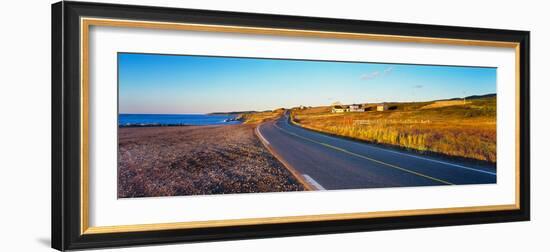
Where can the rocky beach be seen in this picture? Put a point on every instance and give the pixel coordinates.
(197, 160)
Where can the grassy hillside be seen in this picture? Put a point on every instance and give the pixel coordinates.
(449, 127)
(259, 117)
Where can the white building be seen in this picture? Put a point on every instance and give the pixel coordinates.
(339, 109)
(356, 108)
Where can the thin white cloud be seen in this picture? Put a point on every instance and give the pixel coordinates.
(377, 74)
(370, 76)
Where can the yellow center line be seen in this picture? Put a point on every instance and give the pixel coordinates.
(364, 157)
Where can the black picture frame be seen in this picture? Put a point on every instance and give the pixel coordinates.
(66, 114)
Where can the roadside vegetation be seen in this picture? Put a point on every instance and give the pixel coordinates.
(452, 127)
(259, 117)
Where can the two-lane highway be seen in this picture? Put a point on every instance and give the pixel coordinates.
(329, 162)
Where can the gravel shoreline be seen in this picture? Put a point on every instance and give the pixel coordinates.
(197, 160)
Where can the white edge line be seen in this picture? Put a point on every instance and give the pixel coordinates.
(313, 182)
(441, 162)
(261, 136)
(413, 156)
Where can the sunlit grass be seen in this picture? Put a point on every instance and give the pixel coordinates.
(461, 130)
(259, 117)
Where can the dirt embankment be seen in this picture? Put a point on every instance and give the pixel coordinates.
(197, 160)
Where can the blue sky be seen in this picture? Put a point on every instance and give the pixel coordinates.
(174, 84)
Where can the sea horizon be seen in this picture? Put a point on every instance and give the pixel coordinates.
(149, 120)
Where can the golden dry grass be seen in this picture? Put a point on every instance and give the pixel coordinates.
(259, 117)
(461, 130)
(440, 104)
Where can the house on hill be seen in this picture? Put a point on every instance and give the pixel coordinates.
(356, 108)
(339, 109)
(382, 107)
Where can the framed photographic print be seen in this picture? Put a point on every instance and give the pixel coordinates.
(179, 125)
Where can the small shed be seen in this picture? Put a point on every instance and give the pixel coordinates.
(382, 107)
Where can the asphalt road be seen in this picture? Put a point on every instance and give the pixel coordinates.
(329, 162)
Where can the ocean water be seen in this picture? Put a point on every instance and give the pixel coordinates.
(136, 120)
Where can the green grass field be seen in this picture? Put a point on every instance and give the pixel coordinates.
(449, 127)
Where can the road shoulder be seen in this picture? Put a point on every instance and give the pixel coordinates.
(289, 167)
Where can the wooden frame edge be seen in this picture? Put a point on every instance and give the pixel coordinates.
(291, 32)
(86, 22)
(289, 219)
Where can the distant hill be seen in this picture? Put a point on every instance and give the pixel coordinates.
(232, 112)
(471, 97)
(245, 112)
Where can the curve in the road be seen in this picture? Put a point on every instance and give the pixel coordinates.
(327, 162)
(368, 158)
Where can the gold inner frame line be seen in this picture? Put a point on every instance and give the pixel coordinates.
(85, 24)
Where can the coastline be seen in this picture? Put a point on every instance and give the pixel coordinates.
(126, 120)
(155, 125)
